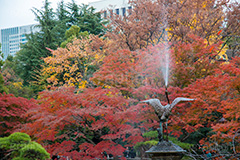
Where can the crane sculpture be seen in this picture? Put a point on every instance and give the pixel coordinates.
(163, 112)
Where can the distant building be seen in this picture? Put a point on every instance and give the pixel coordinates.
(11, 38)
(108, 7)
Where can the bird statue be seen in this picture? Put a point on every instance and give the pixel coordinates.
(163, 112)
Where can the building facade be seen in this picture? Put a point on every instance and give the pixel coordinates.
(108, 7)
(11, 38)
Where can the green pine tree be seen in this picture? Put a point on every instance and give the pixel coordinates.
(30, 57)
(2, 86)
(18, 146)
(91, 21)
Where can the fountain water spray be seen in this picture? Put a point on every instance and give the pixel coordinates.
(165, 69)
(165, 61)
(165, 65)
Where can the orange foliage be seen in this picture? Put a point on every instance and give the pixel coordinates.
(149, 19)
(72, 66)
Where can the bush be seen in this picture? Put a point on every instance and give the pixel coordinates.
(18, 146)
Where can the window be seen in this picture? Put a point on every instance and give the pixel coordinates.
(105, 14)
(13, 36)
(124, 11)
(117, 11)
(130, 10)
(111, 13)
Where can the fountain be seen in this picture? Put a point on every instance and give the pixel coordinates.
(165, 150)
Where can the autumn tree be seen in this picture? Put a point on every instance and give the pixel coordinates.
(118, 70)
(12, 111)
(195, 60)
(149, 21)
(86, 125)
(13, 82)
(75, 64)
(203, 18)
(216, 107)
(144, 25)
(231, 31)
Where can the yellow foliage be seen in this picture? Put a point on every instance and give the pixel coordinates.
(222, 55)
(197, 18)
(82, 84)
(204, 5)
(107, 86)
(17, 84)
(109, 94)
(69, 66)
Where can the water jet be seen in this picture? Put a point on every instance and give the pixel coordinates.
(165, 150)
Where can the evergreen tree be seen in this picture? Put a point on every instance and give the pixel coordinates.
(74, 13)
(62, 21)
(47, 24)
(1, 57)
(2, 87)
(71, 34)
(86, 18)
(18, 146)
(91, 21)
(31, 54)
(29, 58)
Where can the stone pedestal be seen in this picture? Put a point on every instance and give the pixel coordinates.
(166, 151)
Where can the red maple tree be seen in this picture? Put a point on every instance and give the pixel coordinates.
(85, 125)
(12, 111)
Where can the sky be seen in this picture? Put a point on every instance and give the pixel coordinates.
(15, 13)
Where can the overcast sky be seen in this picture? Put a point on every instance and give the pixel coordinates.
(15, 13)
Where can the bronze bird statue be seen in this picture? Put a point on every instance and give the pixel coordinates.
(163, 112)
